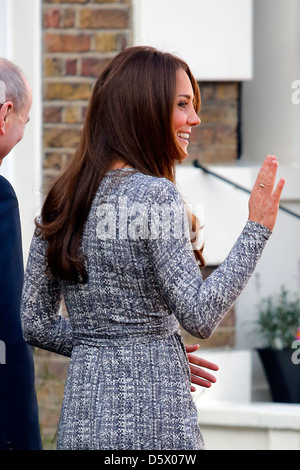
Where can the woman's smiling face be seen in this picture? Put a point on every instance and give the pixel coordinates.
(184, 114)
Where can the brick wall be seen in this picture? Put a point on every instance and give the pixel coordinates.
(79, 38)
(217, 139)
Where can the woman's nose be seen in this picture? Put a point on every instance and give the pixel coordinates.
(194, 119)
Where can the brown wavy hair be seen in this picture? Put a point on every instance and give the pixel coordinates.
(129, 118)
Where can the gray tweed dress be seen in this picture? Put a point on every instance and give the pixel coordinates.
(128, 384)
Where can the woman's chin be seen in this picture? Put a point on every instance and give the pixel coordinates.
(183, 155)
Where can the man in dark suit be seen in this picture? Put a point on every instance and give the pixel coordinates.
(19, 425)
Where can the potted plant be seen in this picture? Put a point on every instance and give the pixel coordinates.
(279, 324)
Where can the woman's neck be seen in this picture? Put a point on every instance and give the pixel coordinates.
(118, 164)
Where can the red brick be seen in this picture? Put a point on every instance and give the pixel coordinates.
(67, 91)
(92, 67)
(67, 43)
(71, 66)
(68, 18)
(226, 135)
(96, 19)
(66, 1)
(59, 18)
(52, 114)
(202, 135)
(53, 67)
(61, 137)
(51, 18)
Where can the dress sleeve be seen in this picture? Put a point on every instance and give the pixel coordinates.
(43, 325)
(199, 305)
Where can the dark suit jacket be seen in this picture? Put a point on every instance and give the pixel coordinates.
(19, 425)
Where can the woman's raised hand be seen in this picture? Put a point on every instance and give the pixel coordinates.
(264, 199)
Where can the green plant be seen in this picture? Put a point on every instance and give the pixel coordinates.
(279, 319)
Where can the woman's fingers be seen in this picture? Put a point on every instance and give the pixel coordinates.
(199, 361)
(198, 375)
(278, 190)
(266, 177)
(191, 347)
(202, 374)
(264, 199)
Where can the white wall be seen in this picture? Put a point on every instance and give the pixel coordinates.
(3, 25)
(225, 211)
(236, 426)
(270, 119)
(270, 124)
(20, 23)
(214, 37)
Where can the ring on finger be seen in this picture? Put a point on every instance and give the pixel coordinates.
(261, 185)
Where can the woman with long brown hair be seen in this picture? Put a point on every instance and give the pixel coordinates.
(116, 241)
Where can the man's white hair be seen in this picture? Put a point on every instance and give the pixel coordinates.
(2, 92)
(12, 84)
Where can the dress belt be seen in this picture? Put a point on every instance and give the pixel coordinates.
(122, 334)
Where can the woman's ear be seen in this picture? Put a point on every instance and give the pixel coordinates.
(5, 112)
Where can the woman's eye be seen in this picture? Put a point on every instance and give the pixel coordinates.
(182, 104)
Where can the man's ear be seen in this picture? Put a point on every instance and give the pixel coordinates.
(5, 112)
